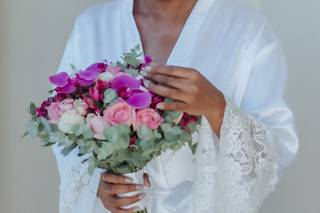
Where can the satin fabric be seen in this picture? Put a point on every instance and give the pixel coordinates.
(231, 45)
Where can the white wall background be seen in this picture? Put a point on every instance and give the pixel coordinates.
(32, 37)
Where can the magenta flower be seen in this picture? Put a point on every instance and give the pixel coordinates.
(97, 67)
(125, 81)
(139, 99)
(63, 82)
(90, 75)
(87, 77)
(147, 59)
(60, 80)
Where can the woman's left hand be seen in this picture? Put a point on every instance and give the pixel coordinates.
(191, 92)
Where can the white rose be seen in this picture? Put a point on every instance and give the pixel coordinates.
(68, 120)
(81, 107)
(106, 76)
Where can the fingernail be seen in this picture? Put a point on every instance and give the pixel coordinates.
(128, 180)
(148, 68)
(139, 187)
(141, 196)
(160, 106)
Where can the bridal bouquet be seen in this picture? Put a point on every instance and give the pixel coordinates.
(107, 113)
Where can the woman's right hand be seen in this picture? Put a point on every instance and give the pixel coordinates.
(111, 185)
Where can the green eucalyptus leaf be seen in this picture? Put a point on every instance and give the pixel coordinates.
(46, 125)
(122, 143)
(165, 127)
(145, 133)
(124, 129)
(185, 137)
(86, 146)
(32, 109)
(32, 128)
(112, 134)
(87, 134)
(104, 151)
(76, 129)
(68, 149)
(109, 96)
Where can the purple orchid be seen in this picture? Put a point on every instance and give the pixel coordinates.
(63, 82)
(125, 80)
(87, 77)
(60, 80)
(97, 67)
(90, 75)
(139, 99)
(128, 88)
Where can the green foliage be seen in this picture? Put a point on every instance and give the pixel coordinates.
(32, 109)
(109, 96)
(131, 58)
(146, 134)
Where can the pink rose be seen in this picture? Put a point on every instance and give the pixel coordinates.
(119, 113)
(148, 116)
(54, 112)
(66, 105)
(97, 124)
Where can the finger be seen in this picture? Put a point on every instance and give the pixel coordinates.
(117, 179)
(126, 201)
(146, 180)
(175, 106)
(174, 71)
(174, 82)
(166, 91)
(120, 188)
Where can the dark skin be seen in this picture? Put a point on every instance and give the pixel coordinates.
(160, 23)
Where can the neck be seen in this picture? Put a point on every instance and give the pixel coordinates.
(167, 8)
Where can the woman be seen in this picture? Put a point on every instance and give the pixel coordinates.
(215, 58)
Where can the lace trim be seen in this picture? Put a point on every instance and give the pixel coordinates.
(238, 174)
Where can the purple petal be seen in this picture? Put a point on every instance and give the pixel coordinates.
(98, 67)
(84, 83)
(60, 79)
(147, 59)
(88, 75)
(69, 88)
(125, 80)
(139, 99)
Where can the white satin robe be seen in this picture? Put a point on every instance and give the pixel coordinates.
(234, 47)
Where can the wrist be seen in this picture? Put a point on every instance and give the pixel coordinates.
(216, 114)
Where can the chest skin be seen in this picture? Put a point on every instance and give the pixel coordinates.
(159, 33)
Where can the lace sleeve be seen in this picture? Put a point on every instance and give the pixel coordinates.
(247, 159)
(238, 171)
